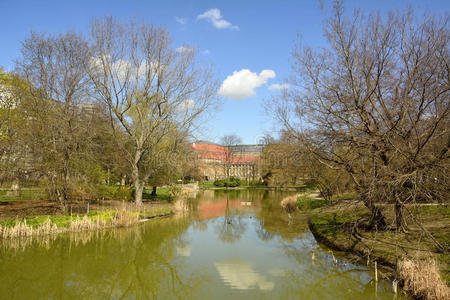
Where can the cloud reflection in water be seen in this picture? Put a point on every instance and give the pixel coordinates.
(240, 275)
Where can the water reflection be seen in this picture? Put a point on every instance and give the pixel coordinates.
(240, 275)
(138, 262)
(236, 244)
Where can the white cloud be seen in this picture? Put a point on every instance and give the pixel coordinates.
(278, 86)
(215, 17)
(242, 83)
(206, 51)
(188, 104)
(183, 49)
(182, 21)
(123, 70)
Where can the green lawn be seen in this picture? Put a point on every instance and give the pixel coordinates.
(63, 221)
(104, 192)
(22, 195)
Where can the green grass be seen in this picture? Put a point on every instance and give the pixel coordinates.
(206, 184)
(305, 203)
(114, 192)
(103, 215)
(62, 220)
(158, 211)
(432, 210)
(348, 196)
(105, 192)
(305, 187)
(162, 194)
(335, 224)
(22, 195)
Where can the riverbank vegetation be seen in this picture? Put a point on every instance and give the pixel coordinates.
(100, 117)
(369, 115)
(336, 225)
(93, 220)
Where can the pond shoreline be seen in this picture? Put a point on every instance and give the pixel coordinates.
(391, 250)
(352, 253)
(98, 218)
(239, 243)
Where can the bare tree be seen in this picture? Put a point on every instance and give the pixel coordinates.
(228, 141)
(55, 68)
(375, 104)
(155, 92)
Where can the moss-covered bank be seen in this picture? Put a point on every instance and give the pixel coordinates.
(334, 226)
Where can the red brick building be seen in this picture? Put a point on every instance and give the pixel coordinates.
(225, 161)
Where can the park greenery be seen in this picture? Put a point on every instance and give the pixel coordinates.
(81, 115)
(370, 113)
(364, 123)
(228, 182)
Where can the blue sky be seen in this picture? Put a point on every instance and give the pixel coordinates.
(245, 37)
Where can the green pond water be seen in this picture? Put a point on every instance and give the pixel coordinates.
(231, 245)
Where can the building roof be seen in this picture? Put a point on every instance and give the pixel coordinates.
(231, 154)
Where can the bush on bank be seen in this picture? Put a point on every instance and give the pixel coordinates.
(228, 182)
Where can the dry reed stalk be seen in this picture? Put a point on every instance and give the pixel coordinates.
(289, 203)
(124, 218)
(421, 278)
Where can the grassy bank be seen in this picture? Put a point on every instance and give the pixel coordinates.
(243, 186)
(413, 258)
(21, 195)
(25, 212)
(96, 219)
(95, 193)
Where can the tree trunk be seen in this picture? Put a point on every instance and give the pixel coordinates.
(139, 188)
(377, 220)
(138, 184)
(400, 221)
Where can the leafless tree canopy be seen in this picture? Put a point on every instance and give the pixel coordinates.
(231, 140)
(57, 85)
(155, 92)
(375, 104)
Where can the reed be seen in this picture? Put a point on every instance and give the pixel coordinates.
(122, 217)
(289, 203)
(421, 278)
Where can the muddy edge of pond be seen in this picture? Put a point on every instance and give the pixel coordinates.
(353, 254)
(411, 283)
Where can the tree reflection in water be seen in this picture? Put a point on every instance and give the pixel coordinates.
(231, 245)
(138, 262)
(231, 226)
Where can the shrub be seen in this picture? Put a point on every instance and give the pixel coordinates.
(422, 279)
(109, 192)
(219, 183)
(228, 182)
